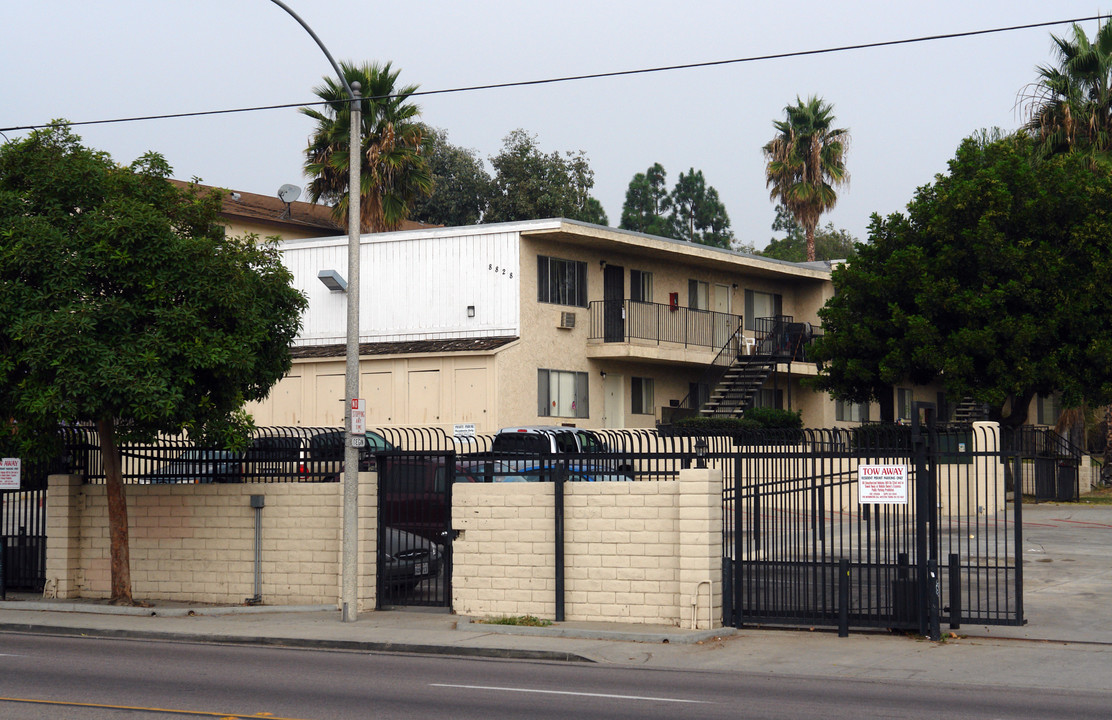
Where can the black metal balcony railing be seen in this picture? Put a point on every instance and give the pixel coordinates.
(625, 320)
(783, 338)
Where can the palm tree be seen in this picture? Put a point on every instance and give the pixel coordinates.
(1070, 107)
(806, 160)
(394, 172)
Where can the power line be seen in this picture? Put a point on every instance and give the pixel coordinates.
(591, 76)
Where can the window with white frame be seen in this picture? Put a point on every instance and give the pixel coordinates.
(641, 395)
(562, 393)
(561, 282)
(851, 412)
(640, 286)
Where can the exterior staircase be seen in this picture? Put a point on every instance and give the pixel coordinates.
(738, 385)
(970, 411)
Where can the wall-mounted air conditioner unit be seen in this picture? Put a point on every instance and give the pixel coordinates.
(567, 320)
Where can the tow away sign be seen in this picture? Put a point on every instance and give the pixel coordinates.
(9, 473)
(880, 484)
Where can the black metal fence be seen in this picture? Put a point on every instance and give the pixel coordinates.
(273, 454)
(802, 546)
(23, 529)
(1051, 465)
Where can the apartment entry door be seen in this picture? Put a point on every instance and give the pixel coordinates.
(614, 400)
(723, 320)
(613, 303)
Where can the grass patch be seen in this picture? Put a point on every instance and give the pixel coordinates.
(1101, 496)
(523, 620)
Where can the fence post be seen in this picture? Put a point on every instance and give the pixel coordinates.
(843, 597)
(559, 549)
(955, 591)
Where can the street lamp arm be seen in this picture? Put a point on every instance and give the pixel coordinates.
(327, 54)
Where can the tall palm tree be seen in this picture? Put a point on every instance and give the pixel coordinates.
(394, 172)
(805, 161)
(1070, 106)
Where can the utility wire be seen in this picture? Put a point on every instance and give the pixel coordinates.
(591, 76)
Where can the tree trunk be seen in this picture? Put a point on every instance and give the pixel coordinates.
(810, 243)
(1106, 466)
(117, 514)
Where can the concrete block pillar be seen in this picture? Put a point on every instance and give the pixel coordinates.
(64, 503)
(700, 535)
(368, 540)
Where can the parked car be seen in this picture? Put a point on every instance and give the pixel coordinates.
(319, 456)
(533, 450)
(197, 465)
(546, 440)
(409, 558)
(413, 493)
(324, 454)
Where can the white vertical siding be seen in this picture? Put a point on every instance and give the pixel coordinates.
(414, 286)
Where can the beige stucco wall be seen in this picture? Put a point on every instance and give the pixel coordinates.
(402, 390)
(196, 543)
(634, 551)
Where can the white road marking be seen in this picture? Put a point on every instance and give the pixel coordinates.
(568, 692)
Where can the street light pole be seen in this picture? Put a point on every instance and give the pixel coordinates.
(349, 590)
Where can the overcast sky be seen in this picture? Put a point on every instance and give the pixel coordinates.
(907, 107)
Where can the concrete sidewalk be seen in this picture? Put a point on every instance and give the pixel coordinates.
(1067, 642)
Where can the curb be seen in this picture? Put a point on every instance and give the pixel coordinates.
(307, 644)
(155, 611)
(678, 637)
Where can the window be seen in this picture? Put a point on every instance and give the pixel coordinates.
(640, 286)
(561, 282)
(761, 305)
(642, 396)
(562, 394)
(769, 398)
(1047, 410)
(903, 404)
(698, 394)
(698, 295)
(851, 412)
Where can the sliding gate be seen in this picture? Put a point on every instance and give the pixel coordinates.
(937, 540)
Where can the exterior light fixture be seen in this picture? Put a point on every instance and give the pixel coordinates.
(470, 311)
(332, 280)
(701, 453)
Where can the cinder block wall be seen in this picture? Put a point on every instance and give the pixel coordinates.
(196, 543)
(634, 551)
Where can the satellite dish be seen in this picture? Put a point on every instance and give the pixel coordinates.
(288, 193)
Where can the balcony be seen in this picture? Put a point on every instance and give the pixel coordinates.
(666, 333)
(658, 332)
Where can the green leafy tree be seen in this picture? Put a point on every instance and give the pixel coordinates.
(529, 184)
(123, 305)
(993, 284)
(1070, 106)
(647, 203)
(805, 161)
(830, 243)
(394, 173)
(697, 215)
(461, 185)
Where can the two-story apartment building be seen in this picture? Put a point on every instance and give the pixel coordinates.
(545, 321)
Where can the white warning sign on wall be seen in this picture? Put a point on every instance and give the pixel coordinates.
(879, 484)
(9, 473)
